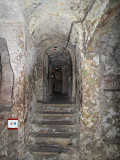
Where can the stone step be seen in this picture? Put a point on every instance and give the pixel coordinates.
(53, 122)
(53, 131)
(48, 149)
(53, 117)
(51, 135)
(56, 108)
(54, 112)
(31, 140)
(45, 156)
(50, 156)
(53, 128)
(55, 104)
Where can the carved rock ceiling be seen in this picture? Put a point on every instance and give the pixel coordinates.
(53, 18)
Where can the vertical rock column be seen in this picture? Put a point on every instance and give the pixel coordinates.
(14, 35)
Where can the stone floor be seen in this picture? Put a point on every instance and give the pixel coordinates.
(59, 98)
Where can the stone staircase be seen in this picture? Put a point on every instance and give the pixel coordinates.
(53, 133)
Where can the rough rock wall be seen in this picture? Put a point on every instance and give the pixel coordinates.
(107, 37)
(89, 101)
(46, 78)
(14, 36)
(6, 77)
(11, 29)
(98, 74)
(30, 96)
(0, 71)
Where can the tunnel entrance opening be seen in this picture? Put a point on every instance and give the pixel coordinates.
(57, 76)
(57, 80)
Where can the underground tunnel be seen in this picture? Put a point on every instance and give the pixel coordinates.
(57, 76)
(60, 79)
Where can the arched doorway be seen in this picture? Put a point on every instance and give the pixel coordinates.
(57, 76)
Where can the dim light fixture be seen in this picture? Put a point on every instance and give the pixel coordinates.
(55, 48)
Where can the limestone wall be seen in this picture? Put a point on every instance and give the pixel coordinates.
(98, 86)
(6, 75)
(108, 41)
(95, 54)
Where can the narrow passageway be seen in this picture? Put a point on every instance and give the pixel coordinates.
(54, 132)
(57, 80)
(60, 78)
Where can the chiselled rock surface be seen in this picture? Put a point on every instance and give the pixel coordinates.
(71, 47)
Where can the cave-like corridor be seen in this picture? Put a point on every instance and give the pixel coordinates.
(60, 78)
(57, 76)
